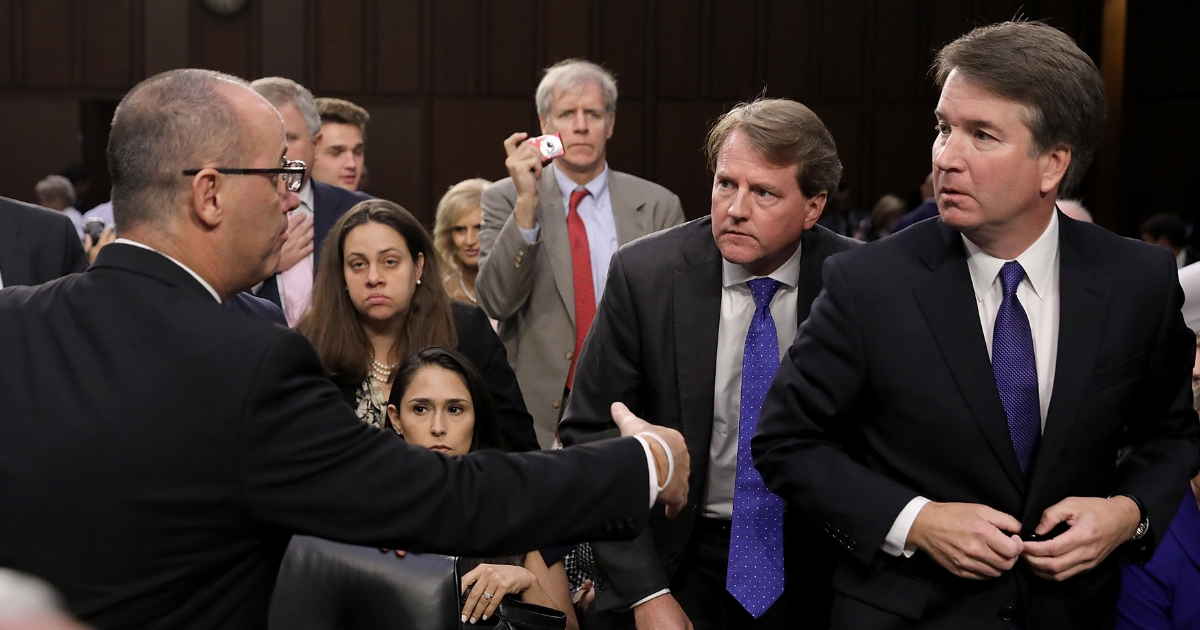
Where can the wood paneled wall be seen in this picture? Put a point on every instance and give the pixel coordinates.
(447, 80)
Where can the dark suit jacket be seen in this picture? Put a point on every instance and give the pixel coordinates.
(250, 305)
(157, 450)
(653, 346)
(36, 245)
(329, 204)
(480, 344)
(888, 393)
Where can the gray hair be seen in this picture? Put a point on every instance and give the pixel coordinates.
(172, 121)
(1040, 67)
(570, 73)
(280, 91)
(55, 187)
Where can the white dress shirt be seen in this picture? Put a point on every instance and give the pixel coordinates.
(597, 214)
(1039, 296)
(737, 310)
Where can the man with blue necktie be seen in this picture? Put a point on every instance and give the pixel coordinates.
(689, 334)
(983, 408)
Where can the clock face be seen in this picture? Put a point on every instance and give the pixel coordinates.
(225, 7)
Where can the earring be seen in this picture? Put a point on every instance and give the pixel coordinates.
(418, 282)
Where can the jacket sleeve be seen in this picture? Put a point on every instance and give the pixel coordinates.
(506, 261)
(307, 464)
(806, 422)
(610, 369)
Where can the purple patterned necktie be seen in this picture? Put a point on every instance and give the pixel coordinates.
(1015, 369)
(755, 573)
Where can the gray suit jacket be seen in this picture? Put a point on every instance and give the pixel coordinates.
(653, 346)
(529, 288)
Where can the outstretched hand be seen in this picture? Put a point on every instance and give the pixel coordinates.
(674, 495)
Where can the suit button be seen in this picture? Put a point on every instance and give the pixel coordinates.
(568, 355)
(674, 559)
(555, 404)
(851, 545)
(1008, 613)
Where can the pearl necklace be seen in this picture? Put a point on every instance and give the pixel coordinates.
(381, 372)
(464, 288)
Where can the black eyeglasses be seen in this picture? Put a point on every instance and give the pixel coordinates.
(291, 170)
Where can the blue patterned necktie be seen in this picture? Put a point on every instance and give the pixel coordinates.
(1015, 369)
(755, 573)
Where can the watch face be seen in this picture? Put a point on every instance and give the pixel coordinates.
(225, 7)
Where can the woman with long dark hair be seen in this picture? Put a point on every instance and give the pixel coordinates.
(378, 298)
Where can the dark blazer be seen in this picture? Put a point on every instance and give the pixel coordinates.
(329, 204)
(158, 450)
(888, 393)
(653, 346)
(250, 305)
(36, 245)
(480, 344)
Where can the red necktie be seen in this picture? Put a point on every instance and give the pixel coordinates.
(581, 268)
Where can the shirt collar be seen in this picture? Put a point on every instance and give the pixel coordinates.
(788, 273)
(306, 194)
(596, 187)
(1037, 260)
(203, 283)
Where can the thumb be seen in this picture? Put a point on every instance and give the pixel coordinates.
(628, 423)
(1053, 515)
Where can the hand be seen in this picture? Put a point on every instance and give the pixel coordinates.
(1097, 527)
(675, 495)
(967, 539)
(497, 580)
(661, 613)
(583, 597)
(524, 164)
(92, 250)
(400, 553)
(299, 241)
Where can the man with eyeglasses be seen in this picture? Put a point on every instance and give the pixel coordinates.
(157, 451)
(290, 286)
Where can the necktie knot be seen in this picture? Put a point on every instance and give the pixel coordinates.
(577, 195)
(1011, 275)
(763, 290)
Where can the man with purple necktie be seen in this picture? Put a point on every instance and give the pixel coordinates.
(983, 408)
(689, 334)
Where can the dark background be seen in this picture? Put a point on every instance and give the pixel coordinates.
(446, 80)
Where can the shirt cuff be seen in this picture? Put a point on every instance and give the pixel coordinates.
(665, 591)
(531, 234)
(897, 536)
(651, 468)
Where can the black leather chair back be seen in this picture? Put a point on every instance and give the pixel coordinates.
(324, 585)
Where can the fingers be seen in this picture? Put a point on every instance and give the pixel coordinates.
(511, 142)
(1003, 522)
(488, 587)
(1055, 514)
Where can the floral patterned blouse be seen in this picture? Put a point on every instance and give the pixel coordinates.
(371, 405)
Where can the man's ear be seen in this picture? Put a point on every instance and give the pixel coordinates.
(1056, 162)
(206, 201)
(813, 207)
(612, 122)
(544, 123)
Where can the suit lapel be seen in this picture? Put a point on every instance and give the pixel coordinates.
(627, 213)
(948, 301)
(14, 261)
(555, 240)
(1083, 314)
(696, 314)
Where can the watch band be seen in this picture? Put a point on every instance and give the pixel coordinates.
(1143, 519)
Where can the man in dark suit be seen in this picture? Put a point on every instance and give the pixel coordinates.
(158, 449)
(321, 204)
(669, 340)
(975, 385)
(36, 245)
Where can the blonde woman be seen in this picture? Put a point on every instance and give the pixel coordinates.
(456, 237)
